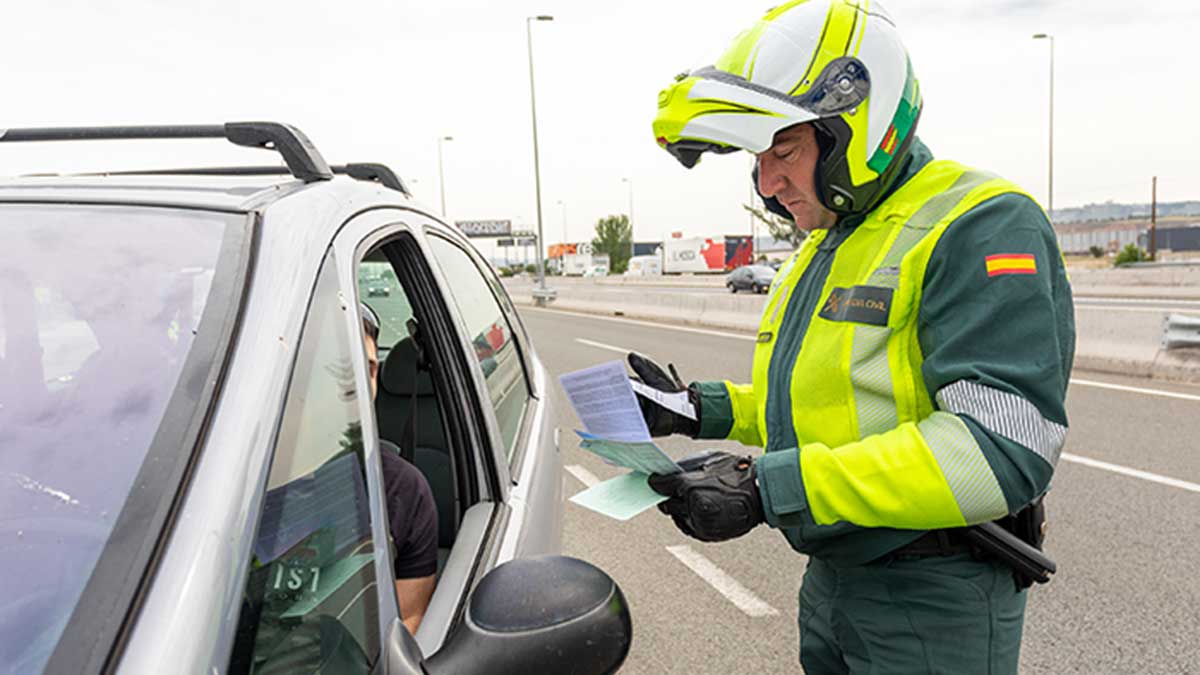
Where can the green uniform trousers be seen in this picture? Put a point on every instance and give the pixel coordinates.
(950, 614)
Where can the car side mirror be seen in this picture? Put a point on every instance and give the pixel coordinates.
(550, 614)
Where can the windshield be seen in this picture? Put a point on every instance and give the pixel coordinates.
(99, 307)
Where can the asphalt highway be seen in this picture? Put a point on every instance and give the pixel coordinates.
(1123, 528)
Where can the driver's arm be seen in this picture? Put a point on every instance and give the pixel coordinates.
(414, 595)
(412, 517)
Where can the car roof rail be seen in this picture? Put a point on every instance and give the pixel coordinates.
(365, 171)
(374, 172)
(301, 156)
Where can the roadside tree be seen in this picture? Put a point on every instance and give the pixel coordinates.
(614, 237)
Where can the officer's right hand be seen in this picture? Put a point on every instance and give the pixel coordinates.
(659, 420)
(714, 498)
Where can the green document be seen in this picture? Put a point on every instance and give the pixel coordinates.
(640, 456)
(620, 498)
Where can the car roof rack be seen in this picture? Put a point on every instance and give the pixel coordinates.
(366, 171)
(302, 158)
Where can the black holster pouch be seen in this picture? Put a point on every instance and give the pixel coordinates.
(1016, 541)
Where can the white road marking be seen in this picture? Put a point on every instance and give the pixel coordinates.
(651, 324)
(726, 585)
(601, 345)
(1157, 302)
(582, 475)
(1136, 390)
(1134, 473)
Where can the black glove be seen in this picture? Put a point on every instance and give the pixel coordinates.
(661, 421)
(714, 498)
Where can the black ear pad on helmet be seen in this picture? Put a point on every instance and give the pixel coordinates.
(834, 187)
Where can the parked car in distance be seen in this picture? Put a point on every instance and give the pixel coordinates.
(196, 440)
(756, 278)
(378, 291)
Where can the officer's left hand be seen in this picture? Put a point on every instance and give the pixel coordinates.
(714, 498)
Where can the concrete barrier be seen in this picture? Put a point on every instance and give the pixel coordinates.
(1119, 342)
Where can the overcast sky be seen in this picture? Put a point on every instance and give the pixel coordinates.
(381, 81)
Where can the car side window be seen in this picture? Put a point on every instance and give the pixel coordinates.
(308, 601)
(490, 333)
(381, 290)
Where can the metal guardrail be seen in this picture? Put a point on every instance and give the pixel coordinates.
(1180, 330)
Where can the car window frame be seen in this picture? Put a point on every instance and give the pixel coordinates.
(98, 626)
(520, 440)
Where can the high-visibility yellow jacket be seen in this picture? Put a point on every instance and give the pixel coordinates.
(910, 369)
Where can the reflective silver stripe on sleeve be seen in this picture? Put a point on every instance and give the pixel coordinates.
(1006, 414)
(967, 472)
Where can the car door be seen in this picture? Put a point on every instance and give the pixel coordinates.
(516, 385)
(312, 600)
(481, 482)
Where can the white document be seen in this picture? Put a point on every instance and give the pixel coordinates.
(620, 498)
(677, 402)
(605, 402)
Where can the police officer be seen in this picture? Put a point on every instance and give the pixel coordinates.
(912, 360)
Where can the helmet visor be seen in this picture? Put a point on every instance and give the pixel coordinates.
(714, 110)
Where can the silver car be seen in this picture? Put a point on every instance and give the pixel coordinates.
(190, 468)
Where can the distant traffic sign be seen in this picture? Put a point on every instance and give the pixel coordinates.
(485, 228)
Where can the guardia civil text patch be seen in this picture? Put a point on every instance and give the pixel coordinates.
(860, 304)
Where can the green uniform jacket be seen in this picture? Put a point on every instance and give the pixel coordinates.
(995, 352)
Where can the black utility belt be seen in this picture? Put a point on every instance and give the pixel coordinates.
(935, 543)
(987, 541)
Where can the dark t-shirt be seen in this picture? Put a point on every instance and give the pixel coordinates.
(412, 515)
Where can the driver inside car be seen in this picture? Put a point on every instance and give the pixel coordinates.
(412, 512)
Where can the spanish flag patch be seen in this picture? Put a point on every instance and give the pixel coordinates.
(1011, 263)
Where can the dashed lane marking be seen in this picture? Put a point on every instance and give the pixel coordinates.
(582, 475)
(726, 585)
(601, 345)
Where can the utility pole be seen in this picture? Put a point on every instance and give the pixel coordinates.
(1154, 218)
(441, 174)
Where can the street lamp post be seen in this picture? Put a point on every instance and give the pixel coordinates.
(540, 295)
(1050, 189)
(753, 226)
(441, 175)
(629, 181)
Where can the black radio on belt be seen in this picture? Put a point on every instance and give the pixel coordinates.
(1028, 563)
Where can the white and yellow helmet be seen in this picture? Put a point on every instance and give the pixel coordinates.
(838, 64)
